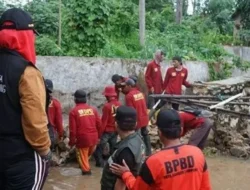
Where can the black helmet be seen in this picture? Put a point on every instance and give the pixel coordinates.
(49, 85)
(134, 78)
(80, 96)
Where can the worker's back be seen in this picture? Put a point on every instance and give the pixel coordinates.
(178, 168)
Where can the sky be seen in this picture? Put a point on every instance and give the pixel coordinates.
(190, 7)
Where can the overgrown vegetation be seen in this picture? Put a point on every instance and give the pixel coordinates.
(109, 28)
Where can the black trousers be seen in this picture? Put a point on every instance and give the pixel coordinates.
(200, 135)
(146, 140)
(175, 106)
(111, 139)
(23, 173)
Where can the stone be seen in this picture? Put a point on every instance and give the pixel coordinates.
(233, 122)
(221, 131)
(237, 142)
(240, 152)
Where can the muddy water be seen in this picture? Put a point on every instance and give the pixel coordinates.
(226, 174)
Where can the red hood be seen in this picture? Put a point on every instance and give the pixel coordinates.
(22, 41)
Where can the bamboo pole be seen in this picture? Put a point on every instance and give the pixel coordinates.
(206, 107)
(169, 96)
(215, 102)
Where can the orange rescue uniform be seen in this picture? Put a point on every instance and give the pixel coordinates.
(85, 129)
(181, 167)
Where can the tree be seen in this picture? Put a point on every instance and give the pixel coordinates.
(242, 12)
(45, 16)
(86, 25)
(2, 8)
(179, 11)
(220, 12)
(142, 21)
(157, 5)
(185, 7)
(241, 19)
(60, 23)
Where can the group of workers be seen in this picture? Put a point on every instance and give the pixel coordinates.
(31, 121)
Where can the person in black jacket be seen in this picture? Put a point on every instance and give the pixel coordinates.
(24, 138)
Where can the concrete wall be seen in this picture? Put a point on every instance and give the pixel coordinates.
(241, 51)
(93, 74)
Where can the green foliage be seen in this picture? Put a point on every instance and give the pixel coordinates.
(123, 19)
(219, 70)
(245, 37)
(109, 28)
(86, 22)
(2, 7)
(239, 63)
(45, 45)
(220, 12)
(45, 16)
(159, 5)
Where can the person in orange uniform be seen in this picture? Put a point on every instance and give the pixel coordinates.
(175, 77)
(134, 98)
(85, 129)
(153, 77)
(176, 166)
(109, 134)
(55, 112)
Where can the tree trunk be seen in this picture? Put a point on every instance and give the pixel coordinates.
(60, 24)
(237, 27)
(194, 6)
(179, 6)
(142, 12)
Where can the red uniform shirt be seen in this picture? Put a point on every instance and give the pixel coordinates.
(84, 126)
(136, 99)
(174, 80)
(55, 116)
(153, 77)
(189, 121)
(108, 120)
(177, 168)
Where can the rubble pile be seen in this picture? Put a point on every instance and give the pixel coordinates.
(62, 152)
(231, 133)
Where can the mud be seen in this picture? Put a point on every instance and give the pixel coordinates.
(226, 174)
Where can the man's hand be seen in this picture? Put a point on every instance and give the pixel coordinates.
(47, 157)
(44, 153)
(118, 169)
(152, 90)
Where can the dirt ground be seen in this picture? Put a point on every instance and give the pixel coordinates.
(226, 174)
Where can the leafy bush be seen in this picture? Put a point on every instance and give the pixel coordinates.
(45, 45)
(86, 26)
